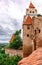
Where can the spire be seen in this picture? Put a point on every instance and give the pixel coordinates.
(28, 21)
(31, 5)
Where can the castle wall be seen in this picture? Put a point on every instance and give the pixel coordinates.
(38, 24)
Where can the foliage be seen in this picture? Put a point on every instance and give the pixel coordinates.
(39, 15)
(7, 46)
(6, 60)
(17, 42)
(2, 50)
(17, 32)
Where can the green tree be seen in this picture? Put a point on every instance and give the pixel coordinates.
(5, 59)
(18, 32)
(17, 42)
(2, 50)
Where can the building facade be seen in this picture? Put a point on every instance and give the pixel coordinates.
(32, 30)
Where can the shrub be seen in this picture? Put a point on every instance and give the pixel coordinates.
(2, 50)
(6, 60)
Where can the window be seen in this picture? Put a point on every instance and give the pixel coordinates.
(33, 11)
(35, 31)
(27, 35)
(39, 31)
(30, 11)
(28, 27)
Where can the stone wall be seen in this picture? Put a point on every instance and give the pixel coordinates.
(13, 52)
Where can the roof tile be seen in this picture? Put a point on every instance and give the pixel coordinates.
(31, 5)
(28, 21)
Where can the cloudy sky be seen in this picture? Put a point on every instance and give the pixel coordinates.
(11, 16)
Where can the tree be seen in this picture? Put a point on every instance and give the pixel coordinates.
(18, 32)
(17, 42)
(5, 59)
(39, 15)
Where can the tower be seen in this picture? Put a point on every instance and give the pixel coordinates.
(27, 31)
(31, 10)
(32, 30)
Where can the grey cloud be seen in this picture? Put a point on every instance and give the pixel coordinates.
(13, 23)
(16, 23)
(2, 31)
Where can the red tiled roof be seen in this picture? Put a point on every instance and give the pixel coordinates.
(28, 21)
(31, 5)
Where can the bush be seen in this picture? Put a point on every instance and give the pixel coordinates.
(2, 50)
(6, 60)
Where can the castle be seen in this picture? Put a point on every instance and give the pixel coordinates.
(32, 30)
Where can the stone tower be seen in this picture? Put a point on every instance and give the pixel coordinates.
(32, 30)
(31, 10)
(27, 29)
